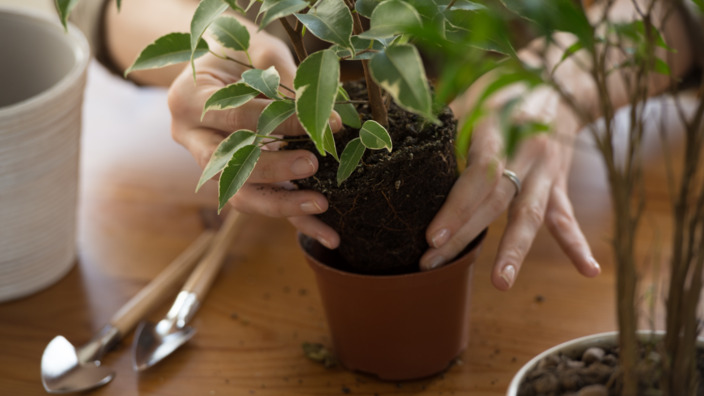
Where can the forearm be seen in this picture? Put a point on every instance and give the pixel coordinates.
(136, 25)
(139, 23)
(574, 75)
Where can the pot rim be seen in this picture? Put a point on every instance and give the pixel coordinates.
(605, 338)
(471, 247)
(76, 42)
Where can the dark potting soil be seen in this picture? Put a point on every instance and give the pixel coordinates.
(383, 209)
(595, 373)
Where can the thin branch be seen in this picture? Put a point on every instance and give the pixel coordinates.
(296, 40)
(376, 101)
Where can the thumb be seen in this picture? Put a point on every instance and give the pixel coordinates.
(335, 121)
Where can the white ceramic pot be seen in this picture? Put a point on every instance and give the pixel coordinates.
(42, 79)
(575, 348)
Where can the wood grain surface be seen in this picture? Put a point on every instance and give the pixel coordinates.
(138, 211)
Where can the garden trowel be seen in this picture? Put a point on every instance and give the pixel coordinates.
(154, 342)
(67, 369)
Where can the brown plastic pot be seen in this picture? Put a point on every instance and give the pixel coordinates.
(397, 327)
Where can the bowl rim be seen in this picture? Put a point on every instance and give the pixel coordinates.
(75, 40)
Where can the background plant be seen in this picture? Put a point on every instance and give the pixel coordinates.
(639, 47)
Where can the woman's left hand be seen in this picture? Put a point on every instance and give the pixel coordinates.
(483, 192)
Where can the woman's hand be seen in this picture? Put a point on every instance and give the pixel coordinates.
(482, 193)
(266, 191)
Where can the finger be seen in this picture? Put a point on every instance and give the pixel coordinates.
(314, 228)
(491, 208)
(284, 165)
(473, 186)
(560, 221)
(187, 101)
(247, 117)
(200, 142)
(525, 217)
(272, 166)
(276, 201)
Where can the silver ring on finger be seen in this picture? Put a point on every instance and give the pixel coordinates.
(513, 178)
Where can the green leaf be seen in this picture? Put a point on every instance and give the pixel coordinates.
(465, 5)
(363, 49)
(348, 113)
(229, 32)
(64, 7)
(700, 4)
(530, 78)
(486, 29)
(274, 114)
(635, 31)
(428, 9)
(167, 50)
(233, 95)
(374, 136)
(349, 159)
(224, 152)
(275, 9)
(661, 67)
(207, 12)
(330, 21)
(571, 50)
(329, 143)
(399, 70)
(237, 172)
(390, 18)
(265, 81)
(366, 7)
(555, 15)
(233, 4)
(316, 84)
(515, 133)
(119, 4)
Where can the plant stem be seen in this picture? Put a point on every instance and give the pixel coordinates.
(296, 39)
(625, 223)
(376, 101)
(239, 62)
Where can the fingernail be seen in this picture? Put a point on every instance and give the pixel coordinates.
(508, 274)
(303, 167)
(440, 237)
(434, 262)
(595, 265)
(325, 243)
(311, 207)
(334, 122)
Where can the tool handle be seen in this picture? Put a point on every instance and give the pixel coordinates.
(202, 277)
(155, 292)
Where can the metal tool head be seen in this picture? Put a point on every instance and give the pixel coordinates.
(152, 343)
(63, 371)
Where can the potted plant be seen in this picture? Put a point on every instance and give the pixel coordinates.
(398, 129)
(635, 51)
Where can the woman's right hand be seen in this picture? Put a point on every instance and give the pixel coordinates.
(266, 192)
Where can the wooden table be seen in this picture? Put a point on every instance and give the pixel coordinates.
(138, 211)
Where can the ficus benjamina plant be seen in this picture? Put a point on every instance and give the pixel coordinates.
(469, 37)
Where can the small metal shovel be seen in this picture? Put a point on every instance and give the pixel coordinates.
(154, 342)
(66, 369)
